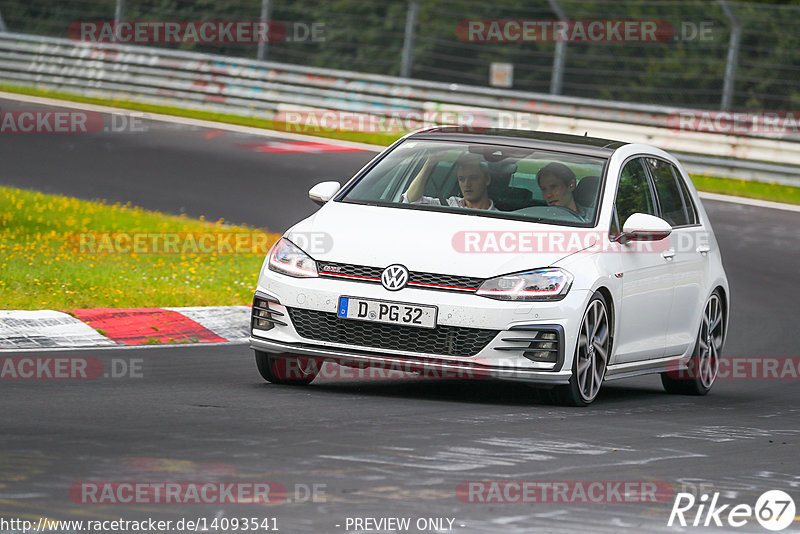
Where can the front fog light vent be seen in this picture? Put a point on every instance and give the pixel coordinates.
(264, 317)
(541, 344)
(544, 350)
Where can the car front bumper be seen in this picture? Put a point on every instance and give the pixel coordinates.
(427, 367)
(503, 357)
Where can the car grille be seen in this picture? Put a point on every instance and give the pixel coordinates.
(442, 340)
(361, 273)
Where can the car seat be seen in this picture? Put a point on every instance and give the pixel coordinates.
(507, 198)
(585, 192)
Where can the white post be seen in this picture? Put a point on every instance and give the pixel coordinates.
(119, 12)
(408, 42)
(733, 55)
(262, 45)
(560, 56)
(119, 16)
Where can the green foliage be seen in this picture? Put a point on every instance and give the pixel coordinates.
(368, 37)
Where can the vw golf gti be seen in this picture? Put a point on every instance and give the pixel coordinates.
(557, 260)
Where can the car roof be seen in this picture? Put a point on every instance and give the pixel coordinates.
(573, 144)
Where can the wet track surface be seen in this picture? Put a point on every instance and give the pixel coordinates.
(377, 448)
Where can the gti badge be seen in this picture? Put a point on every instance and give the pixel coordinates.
(394, 277)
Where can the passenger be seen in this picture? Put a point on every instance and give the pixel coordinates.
(473, 180)
(557, 182)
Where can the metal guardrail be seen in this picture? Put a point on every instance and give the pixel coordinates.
(262, 89)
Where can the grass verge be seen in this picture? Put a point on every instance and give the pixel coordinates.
(64, 253)
(742, 188)
(726, 186)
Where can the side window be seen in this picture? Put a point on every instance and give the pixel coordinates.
(669, 194)
(691, 211)
(633, 194)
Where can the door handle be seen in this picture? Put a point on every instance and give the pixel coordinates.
(703, 249)
(668, 254)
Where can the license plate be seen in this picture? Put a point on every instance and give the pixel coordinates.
(381, 311)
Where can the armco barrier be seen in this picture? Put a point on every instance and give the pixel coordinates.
(262, 89)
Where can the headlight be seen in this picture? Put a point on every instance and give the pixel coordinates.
(541, 284)
(286, 258)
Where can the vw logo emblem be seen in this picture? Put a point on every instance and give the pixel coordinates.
(394, 277)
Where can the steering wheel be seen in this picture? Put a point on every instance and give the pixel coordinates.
(573, 213)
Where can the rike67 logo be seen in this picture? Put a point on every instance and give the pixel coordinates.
(774, 510)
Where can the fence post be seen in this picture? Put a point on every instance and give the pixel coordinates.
(560, 56)
(262, 45)
(733, 55)
(119, 13)
(408, 42)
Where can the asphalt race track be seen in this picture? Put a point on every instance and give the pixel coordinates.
(175, 168)
(377, 448)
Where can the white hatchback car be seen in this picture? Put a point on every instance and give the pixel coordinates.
(557, 260)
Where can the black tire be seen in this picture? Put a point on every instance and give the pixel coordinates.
(286, 370)
(699, 377)
(592, 350)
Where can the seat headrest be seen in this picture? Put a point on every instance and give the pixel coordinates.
(586, 191)
(501, 172)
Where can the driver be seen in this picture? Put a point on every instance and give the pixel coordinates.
(557, 182)
(473, 180)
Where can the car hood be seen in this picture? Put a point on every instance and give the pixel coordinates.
(428, 241)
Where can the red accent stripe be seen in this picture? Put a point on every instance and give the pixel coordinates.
(137, 326)
(325, 273)
(444, 287)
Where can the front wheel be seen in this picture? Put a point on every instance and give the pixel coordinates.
(698, 378)
(591, 356)
(286, 370)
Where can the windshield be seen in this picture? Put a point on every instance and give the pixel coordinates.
(478, 179)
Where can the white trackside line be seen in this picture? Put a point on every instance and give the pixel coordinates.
(190, 122)
(750, 202)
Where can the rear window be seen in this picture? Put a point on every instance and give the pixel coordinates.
(691, 211)
(670, 197)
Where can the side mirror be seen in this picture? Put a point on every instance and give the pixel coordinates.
(323, 192)
(643, 227)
